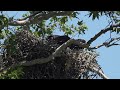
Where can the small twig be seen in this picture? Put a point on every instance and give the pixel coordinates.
(113, 45)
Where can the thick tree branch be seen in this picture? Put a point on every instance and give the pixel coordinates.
(102, 32)
(39, 18)
(99, 72)
(30, 16)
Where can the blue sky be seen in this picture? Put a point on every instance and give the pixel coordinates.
(109, 57)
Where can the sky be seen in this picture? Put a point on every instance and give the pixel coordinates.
(109, 57)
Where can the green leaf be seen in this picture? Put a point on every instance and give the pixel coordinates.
(118, 30)
(39, 34)
(42, 24)
(90, 14)
(49, 31)
(63, 20)
(80, 22)
(51, 20)
(68, 31)
(94, 14)
(74, 14)
(13, 73)
(3, 20)
(36, 33)
(1, 36)
(55, 18)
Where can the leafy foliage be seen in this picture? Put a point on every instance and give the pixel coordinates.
(13, 73)
(47, 27)
(3, 21)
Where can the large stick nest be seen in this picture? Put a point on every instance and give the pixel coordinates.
(73, 62)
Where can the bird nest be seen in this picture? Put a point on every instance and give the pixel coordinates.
(73, 63)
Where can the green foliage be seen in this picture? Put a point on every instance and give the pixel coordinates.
(47, 27)
(11, 44)
(3, 20)
(25, 15)
(114, 17)
(63, 20)
(2, 35)
(117, 30)
(74, 15)
(5, 33)
(97, 14)
(94, 14)
(3, 23)
(13, 73)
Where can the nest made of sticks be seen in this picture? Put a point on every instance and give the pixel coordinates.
(73, 62)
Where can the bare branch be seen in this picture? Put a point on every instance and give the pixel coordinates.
(107, 44)
(103, 31)
(99, 72)
(113, 45)
(96, 47)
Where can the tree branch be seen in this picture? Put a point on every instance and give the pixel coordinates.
(107, 44)
(30, 16)
(102, 32)
(99, 72)
(39, 18)
(96, 47)
(113, 44)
